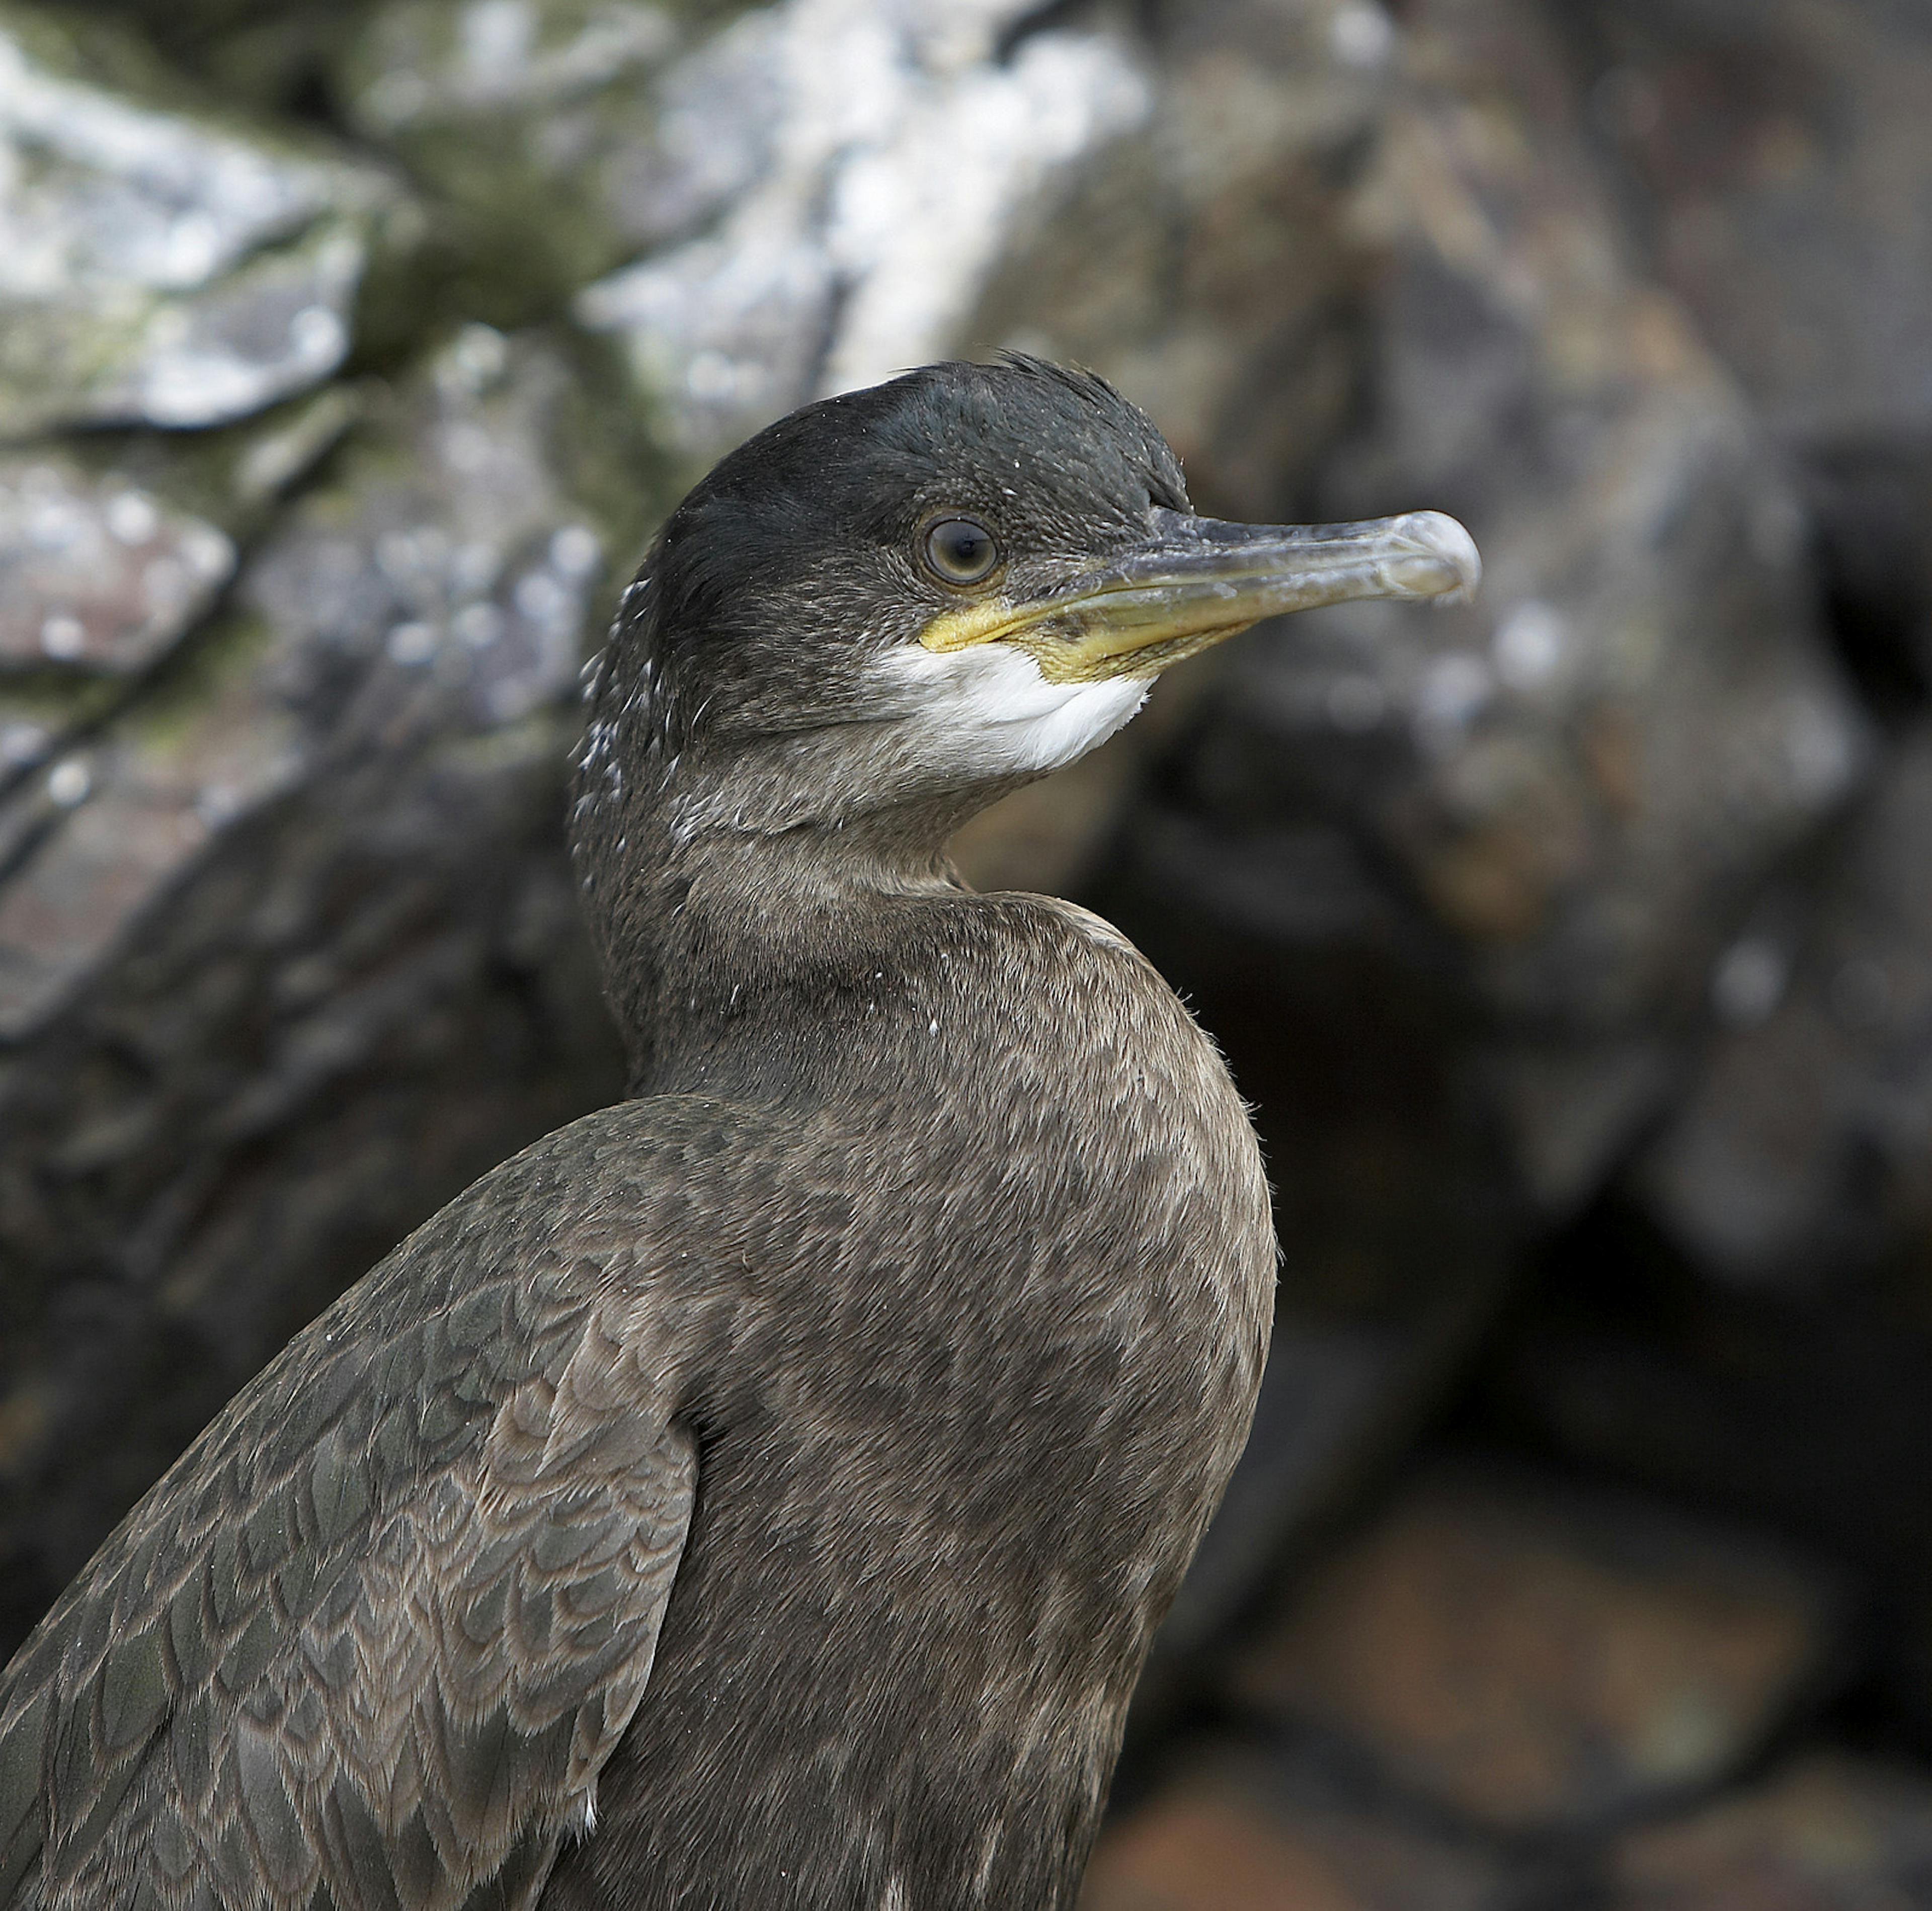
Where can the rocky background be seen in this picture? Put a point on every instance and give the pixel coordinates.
(1575, 946)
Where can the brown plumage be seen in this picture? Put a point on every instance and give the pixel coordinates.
(762, 1492)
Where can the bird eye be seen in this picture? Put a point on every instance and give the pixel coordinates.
(959, 551)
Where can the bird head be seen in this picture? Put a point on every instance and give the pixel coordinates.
(905, 600)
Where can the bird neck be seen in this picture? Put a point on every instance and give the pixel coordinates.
(734, 955)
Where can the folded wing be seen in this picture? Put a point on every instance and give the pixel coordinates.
(370, 1643)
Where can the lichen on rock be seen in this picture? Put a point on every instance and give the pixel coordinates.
(155, 267)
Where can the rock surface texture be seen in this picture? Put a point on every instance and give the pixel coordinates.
(1575, 945)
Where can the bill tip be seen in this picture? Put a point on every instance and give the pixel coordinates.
(1443, 539)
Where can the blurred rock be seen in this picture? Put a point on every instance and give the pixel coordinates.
(271, 56)
(453, 589)
(97, 574)
(1604, 756)
(1239, 1835)
(459, 578)
(1781, 158)
(1831, 1834)
(113, 548)
(1339, 1400)
(539, 129)
(1208, 260)
(1908, 1668)
(1553, 807)
(290, 949)
(812, 193)
(1533, 1658)
(869, 167)
(1799, 1405)
(155, 267)
(1804, 1148)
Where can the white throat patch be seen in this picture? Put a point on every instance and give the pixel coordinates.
(986, 709)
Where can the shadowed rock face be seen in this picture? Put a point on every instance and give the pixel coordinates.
(290, 949)
(1555, 798)
(1807, 1137)
(1779, 160)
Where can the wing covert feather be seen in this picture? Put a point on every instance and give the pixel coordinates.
(370, 1644)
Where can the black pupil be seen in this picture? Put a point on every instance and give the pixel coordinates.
(964, 549)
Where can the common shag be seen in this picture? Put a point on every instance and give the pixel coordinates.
(762, 1493)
